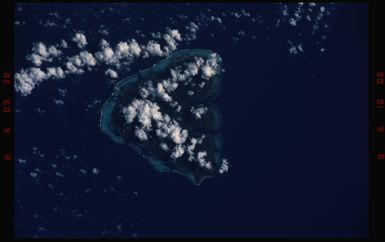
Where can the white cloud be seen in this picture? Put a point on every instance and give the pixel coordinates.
(147, 117)
(208, 72)
(164, 146)
(104, 43)
(80, 39)
(111, 73)
(130, 49)
(107, 55)
(198, 112)
(175, 34)
(73, 69)
(62, 92)
(87, 58)
(121, 56)
(177, 152)
(178, 135)
(143, 110)
(192, 69)
(224, 167)
(210, 68)
(162, 93)
(153, 49)
(191, 147)
(21, 160)
(169, 85)
(63, 44)
(171, 38)
(55, 72)
(95, 171)
(42, 53)
(58, 101)
(201, 158)
(193, 30)
(216, 19)
(103, 30)
(84, 59)
(141, 134)
(27, 80)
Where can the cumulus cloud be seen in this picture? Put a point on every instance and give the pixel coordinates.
(103, 30)
(210, 68)
(71, 68)
(58, 101)
(177, 152)
(141, 134)
(80, 40)
(152, 48)
(201, 158)
(193, 30)
(171, 38)
(145, 113)
(121, 55)
(191, 147)
(111, 73)
(63, 44)
(164, 146)
(55, 72)
(161, 92)
(107, 54)
(42, 53)
(75, 63)
(144, 110)
(224, 167)
(27, 79)
(87, 58)
(198, 112)
(128, 49)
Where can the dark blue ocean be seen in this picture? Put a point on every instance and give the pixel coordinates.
(294, 127)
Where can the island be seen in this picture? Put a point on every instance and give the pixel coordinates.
(167, 113)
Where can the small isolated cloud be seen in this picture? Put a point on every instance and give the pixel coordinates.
(63, 44)
(224, 167)
(111, 73)
(62, 92)
(80, 39)
(164, 146)
(95, 171)
(103, 30)
(58, 101)
(198, 112)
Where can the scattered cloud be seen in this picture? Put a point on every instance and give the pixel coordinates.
(149, 122)
(80, 40)
(42, 53)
